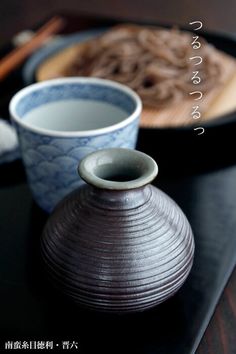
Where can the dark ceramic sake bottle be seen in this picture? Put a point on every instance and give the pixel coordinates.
(118, 244)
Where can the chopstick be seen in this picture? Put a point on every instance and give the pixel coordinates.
(12, 60)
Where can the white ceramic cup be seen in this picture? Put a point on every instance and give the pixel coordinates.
(60, 121)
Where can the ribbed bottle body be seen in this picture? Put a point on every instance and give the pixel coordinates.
(118, 251)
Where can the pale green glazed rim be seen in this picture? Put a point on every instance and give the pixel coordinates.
(118, 160)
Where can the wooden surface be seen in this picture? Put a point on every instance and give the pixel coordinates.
(220, 337)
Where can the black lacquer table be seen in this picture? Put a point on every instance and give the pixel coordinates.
(30, 307)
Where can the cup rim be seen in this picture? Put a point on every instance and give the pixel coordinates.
(67, 134)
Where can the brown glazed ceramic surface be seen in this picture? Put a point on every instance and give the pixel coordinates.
(117, 250)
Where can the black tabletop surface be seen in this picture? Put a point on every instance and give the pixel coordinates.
(32, 310)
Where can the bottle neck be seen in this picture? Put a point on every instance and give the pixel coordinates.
(119, 199)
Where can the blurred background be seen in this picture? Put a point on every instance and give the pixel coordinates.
(217, 15)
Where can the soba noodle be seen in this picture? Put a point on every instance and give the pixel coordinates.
(155, 62)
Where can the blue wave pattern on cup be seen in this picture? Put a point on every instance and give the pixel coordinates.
(52, 178)
(51, 161)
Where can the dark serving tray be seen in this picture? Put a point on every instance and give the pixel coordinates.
(31, 310)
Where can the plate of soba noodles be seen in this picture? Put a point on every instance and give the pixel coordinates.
(182, 79)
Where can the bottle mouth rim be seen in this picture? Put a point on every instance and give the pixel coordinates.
(118, 169)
